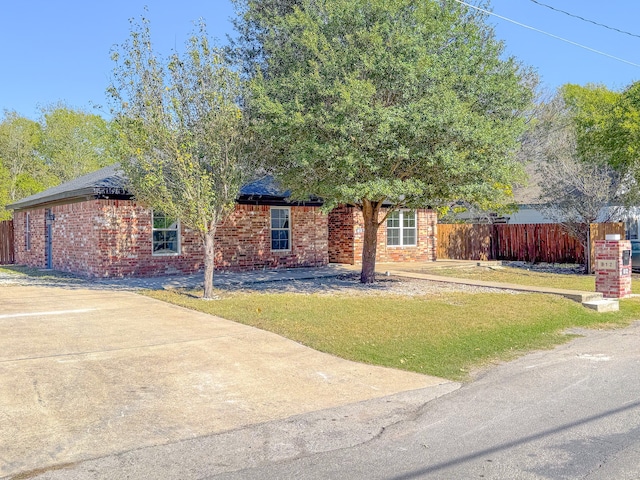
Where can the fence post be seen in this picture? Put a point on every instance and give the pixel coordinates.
(492, 242)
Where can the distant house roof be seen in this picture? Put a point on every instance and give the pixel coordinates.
(110, 182)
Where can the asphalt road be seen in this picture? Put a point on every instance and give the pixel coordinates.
(569, 413)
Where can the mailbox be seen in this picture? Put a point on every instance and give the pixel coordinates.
(613, 267)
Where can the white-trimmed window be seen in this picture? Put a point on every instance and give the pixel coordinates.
(27, 231)
(280, 228)
(166, 235)
(401, 228)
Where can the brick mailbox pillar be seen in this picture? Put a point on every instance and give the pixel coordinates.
(613, 267)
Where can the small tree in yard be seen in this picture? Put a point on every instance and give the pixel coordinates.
(180, 130)
(376, 102)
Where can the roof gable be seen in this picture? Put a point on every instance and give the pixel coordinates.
(107, 180)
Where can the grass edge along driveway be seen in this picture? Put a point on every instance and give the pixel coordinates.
(524, 276)
(446, 335)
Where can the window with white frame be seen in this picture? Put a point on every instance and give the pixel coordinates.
(166, 234)
(401, 228)
(27, 231)
(280, 228)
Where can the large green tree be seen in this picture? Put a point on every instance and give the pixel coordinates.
(252, 23)
(181, 132)
(372, 102)
(62, 144)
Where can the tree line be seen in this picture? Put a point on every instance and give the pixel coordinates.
(61, 145)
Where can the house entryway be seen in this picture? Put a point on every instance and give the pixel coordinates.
(48, 240)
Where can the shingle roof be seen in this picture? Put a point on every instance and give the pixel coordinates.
(111, 180)
(264, 187)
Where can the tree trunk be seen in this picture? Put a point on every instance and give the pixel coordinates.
(209, 262)
(370, 214)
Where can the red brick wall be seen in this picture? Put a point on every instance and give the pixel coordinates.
(34, 257)
(341, 232)
(346, 225)
(112, 238)
(244, 239)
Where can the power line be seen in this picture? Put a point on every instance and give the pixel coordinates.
(549, 34)
(585, 19)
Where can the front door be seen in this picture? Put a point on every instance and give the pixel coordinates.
(48, 221)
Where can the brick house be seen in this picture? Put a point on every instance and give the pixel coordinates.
(92, 226)
(405, 236)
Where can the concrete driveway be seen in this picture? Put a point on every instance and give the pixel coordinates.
(88, 373)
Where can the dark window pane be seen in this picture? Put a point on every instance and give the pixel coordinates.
(171, 235)
(409, 219)
(393, 220)
(409, 237)
(279, 229)
(393, 237)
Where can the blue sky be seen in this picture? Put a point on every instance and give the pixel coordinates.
(59, 51)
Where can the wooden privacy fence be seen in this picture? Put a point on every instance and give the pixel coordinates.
(535, 242)
(6, 242)
(464, 241)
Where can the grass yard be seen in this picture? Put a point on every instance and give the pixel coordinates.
(521, 276)
(447, 335)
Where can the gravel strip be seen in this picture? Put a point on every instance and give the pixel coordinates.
(349, 285)
(560, 268)
(346, 285)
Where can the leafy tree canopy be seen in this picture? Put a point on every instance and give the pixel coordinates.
(74, 142)
(573, 143)
(367, 101)
(181, 131)
(607, 123)
(61, 145)
(22, 169)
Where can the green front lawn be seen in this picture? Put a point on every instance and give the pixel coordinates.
(521, 276)
(446, 335)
